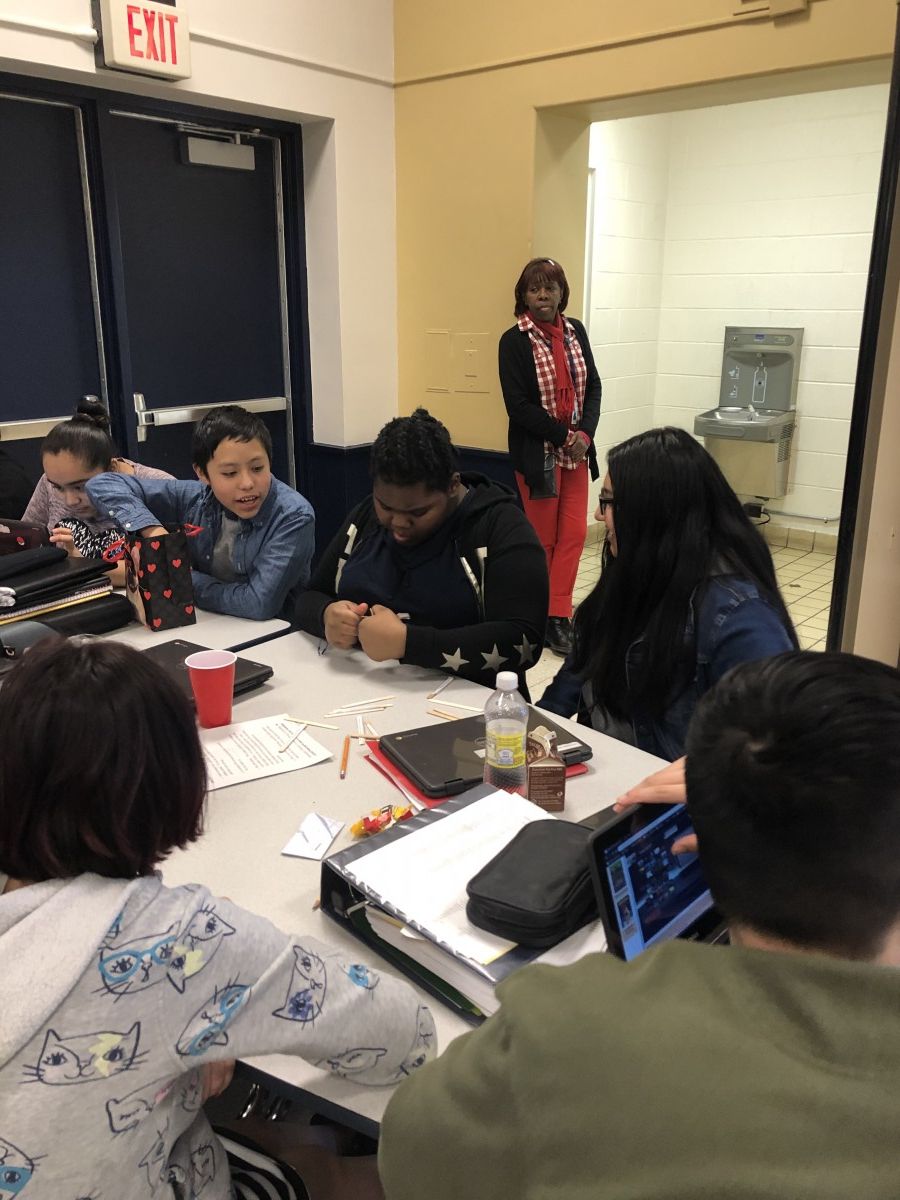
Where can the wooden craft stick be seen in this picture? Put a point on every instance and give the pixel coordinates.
(467, 707)
(317, 724)
(439, 712)
(437, 691)
(361, 703)
(355, 712)
(287, 745)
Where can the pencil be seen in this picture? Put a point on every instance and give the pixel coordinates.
(345, 755)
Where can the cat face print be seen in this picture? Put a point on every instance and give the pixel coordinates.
(208, 1024)
(176, 955)
(140, 963)
(198, 942)
(203, 1167)
(353, 1062)
(192, 1092)
(130, 1110)
(85, 1057)
(16, 1170)
(362, 975)
(154, 1161)
(417, 1055)
(306, 991)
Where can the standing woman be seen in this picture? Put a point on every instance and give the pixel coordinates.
(551, 390)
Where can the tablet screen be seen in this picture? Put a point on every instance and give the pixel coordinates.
(655, 894)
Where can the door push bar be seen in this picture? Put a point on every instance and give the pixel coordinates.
(20, 431)
(147, 418)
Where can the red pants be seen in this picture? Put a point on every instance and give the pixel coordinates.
(561, 524)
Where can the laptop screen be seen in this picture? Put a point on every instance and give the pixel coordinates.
(655, 894)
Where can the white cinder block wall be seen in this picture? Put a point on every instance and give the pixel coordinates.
(630, 163)
(769, 208)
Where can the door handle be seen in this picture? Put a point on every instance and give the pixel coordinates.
(147, 418)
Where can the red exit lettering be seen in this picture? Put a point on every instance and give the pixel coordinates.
(158, 29)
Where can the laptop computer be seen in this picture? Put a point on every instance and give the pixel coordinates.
(16, 536)
(448, 758)
(248, 675)
(646, 893)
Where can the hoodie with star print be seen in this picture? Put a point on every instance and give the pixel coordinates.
(474, 594)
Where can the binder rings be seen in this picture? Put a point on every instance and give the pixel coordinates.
(466, 987)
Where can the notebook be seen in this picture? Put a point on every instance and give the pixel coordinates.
(171, 655)
(646, 893)
(448, 758)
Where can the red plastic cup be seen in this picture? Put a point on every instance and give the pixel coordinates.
(211, 674)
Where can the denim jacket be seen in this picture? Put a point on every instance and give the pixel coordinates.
(734, 624)
(272, 550)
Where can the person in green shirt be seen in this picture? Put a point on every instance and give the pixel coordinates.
(765, 1069)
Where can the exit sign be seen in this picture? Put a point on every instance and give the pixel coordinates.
(146, 37)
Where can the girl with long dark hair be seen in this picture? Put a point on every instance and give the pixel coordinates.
(687, 590)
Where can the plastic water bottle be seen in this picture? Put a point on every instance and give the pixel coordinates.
(506, 727)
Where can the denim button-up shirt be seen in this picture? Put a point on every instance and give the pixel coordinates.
(272, 550)
(734, 624)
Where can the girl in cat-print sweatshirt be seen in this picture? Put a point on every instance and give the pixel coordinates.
(114, 989)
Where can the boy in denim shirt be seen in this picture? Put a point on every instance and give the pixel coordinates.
(256, 534)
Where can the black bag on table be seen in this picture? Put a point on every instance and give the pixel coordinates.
(538, 890)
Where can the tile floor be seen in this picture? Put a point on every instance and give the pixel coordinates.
(804, 576)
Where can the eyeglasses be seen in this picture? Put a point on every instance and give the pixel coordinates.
(604, 504)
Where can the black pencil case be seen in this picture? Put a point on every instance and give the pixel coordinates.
(538, 889)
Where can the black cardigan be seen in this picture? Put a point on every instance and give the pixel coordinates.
(530, 425)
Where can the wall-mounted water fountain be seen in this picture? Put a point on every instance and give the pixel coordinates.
(749, 434)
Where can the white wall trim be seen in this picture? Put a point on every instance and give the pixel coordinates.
(217, 39)
(79, 33)
(87, 33)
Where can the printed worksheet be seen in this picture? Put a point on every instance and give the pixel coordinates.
(254, 749)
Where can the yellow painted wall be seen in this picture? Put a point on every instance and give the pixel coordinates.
(485, 90)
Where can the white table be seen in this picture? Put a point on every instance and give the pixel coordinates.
(247, 825)
(216, 631)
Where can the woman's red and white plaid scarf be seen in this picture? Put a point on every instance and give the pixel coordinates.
(542, 349)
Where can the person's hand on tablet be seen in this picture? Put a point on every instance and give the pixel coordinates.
(662, 787)
(666, 786)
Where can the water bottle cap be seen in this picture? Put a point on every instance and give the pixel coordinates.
(507, 681)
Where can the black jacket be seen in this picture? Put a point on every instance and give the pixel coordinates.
(530, 425)
(507, 568)
(15, 488)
